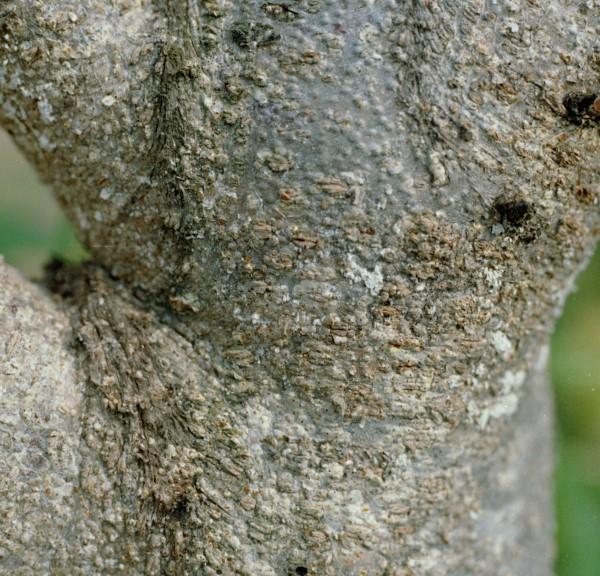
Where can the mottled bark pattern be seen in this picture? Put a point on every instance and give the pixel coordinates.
(40, 409)
(330, 239)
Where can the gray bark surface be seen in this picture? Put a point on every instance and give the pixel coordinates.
(330, 240)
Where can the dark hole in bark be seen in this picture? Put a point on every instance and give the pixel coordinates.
(240, 34)
(301, 570)
(580, 107)
(179, 512)
(512, 212)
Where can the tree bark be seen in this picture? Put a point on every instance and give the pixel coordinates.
(329, 243)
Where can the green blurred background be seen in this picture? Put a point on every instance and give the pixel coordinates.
(32, 228)
(31, 225)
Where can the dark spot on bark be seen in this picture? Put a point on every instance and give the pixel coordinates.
(179, 511)
(465, 134)
(512, 211)
(580, 107)
(281, 11)
(301, 570)
(519, 218)
(240, 34)
(56, 277)
(248, 35)
(8, 19)
(585, 195)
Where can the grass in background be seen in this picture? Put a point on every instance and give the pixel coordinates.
(575, 369)
(32, 229)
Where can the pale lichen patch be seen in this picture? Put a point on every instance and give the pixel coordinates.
(502, 344)
(504, 407)
(372, 279)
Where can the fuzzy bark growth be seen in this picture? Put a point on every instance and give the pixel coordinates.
(330, 240)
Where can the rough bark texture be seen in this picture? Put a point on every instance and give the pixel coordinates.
(330, 241)
(40, 413)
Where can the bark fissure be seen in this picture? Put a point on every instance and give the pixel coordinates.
(152, 429)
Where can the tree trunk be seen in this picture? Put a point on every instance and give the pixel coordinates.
(329, 242)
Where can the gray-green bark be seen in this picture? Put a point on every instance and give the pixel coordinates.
(308, 343)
